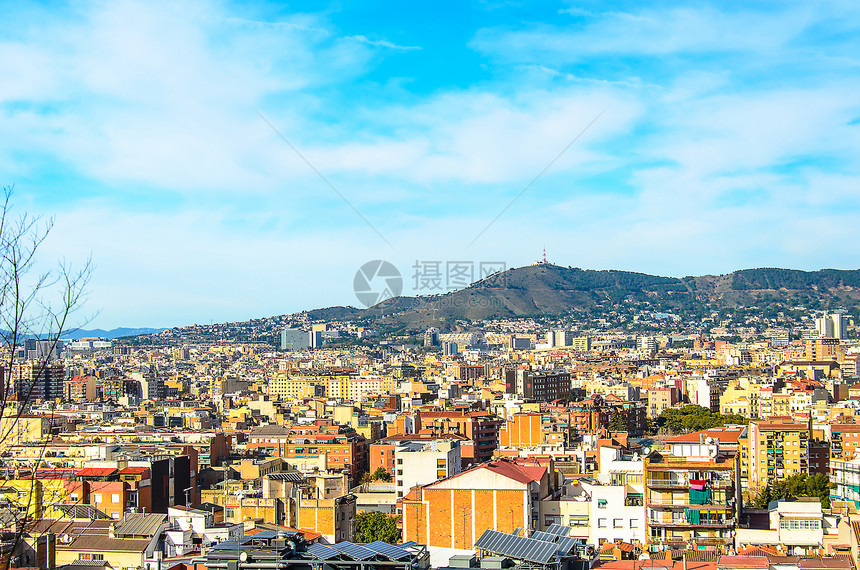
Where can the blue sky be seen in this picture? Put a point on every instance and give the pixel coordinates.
(728, 139)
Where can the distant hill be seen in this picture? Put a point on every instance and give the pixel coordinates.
(113, 333)
(550, 290)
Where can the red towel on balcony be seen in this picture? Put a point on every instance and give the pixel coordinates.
(697, 484)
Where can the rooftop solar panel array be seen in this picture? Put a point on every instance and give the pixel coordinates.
(559, 530)
(538, 551)
(388, 550)
(565, 544)
(544, 536)
(354, 551)
(322, 552)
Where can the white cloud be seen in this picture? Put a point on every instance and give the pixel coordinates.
(649, 32)
(381, 43)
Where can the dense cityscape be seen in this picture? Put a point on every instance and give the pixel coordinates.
(729, 442)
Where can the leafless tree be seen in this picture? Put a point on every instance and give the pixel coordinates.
(38, 301)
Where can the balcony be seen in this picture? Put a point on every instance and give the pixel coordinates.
(728, 522)
(698, 506)
(668, 483)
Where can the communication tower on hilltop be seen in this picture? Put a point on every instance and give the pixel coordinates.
(542, 260)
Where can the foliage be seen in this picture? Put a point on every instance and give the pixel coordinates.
(800, 485)
(616, 422)
(372, 526)
(381, 475)
(694, 418)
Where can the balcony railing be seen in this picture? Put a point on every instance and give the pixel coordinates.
(685, 483)
(676, 503)
(684, 522)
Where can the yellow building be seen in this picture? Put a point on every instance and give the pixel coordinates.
(777, 450)
(332, 518)
(23, 429)
(38, 498)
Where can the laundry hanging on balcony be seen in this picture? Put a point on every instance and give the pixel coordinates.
(697, 484)
(700, 497)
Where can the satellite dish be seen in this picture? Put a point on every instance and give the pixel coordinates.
(712, 452)
(709, 440)
(646, 450)
(243, 557)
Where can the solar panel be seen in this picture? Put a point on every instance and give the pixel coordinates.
(388, 550)
(483, 541)
(559, 530)
(519, 547)
(322, 551)
(544, 536)
(409, 544)
(565, 544)
(354, 551)
(517, 531)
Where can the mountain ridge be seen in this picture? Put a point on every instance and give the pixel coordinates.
(548, 290)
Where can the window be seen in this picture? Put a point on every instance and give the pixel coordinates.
(230, 513)
(617, 523)
(634, 523)
(114, 498)
(98, 497)
(601, 503)
(601, 523)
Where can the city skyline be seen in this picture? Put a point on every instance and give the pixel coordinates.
(707, 138)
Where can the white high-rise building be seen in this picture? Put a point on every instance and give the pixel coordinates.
(831, 326)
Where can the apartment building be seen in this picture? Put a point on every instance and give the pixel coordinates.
(35, 381)
(777, 450)
(422, 463)
(844, 441)
(539, 386)
(481, 427)
(692, 496)
(820, 349)
(661, 399)
(326, 447)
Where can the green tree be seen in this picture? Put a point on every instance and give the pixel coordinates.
(616, 422)
(800, 485)
(694, 418)
(381, 475)
(370, 526)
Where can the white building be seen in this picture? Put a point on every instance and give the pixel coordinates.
(419, 463)
(617, 508)
(798, 526)
(831, 326)
(193, 528)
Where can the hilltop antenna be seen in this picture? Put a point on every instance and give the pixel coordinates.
(544, 254)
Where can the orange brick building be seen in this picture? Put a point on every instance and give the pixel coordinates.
(501, 495)
(522, 430)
